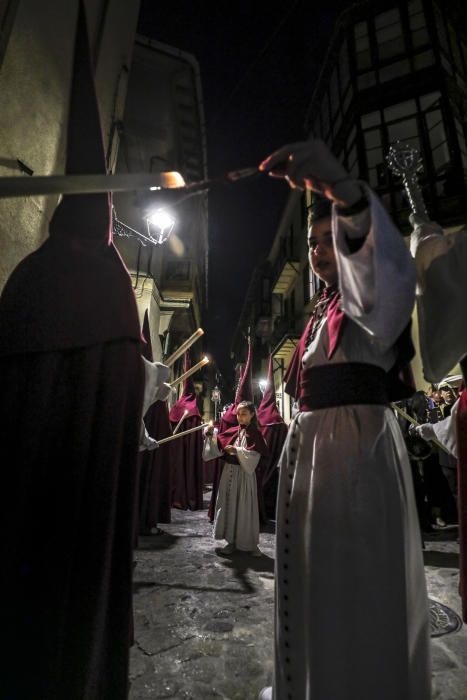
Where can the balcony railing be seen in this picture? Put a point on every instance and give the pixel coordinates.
(287, 271)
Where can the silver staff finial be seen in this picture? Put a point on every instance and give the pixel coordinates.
(406, 162)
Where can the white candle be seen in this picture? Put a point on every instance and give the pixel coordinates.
(189, 372)
(185, 432)
(184, 347)
(185, 413)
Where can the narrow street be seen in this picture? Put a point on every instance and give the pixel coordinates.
(204, 623)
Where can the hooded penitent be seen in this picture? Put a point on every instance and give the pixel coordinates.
(274, 431)
(229, 425)
(72, 387)
(187, 468)
(155, 465)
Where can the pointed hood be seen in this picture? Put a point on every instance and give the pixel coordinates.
(146, 350)
(87, 216)
(268, 413)
(74, 291)
(244, 393)
(187, 401)
(245, 387)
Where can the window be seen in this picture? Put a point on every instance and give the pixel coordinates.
(400, 110)
(417, 25)
(362, 46)
(394, 70)
(405, 130)
(389, 36)
(427, 101)
(423, 60)
(371, 119)
(438, 141)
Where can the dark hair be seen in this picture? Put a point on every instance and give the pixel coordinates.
(320, 208)
(252, 408)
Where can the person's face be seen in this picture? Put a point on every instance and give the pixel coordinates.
(321, 251)
(436, 396)
(447, 395)
(244, 416)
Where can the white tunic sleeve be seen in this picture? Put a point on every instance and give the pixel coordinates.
(446, 430)
(248, 459)
(441, 263)
(155, 388)
(377, 282)
(211, 448)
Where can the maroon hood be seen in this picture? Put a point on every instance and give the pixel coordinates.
(268, 413)
(187, 401)
(254, 439)
(244, 393)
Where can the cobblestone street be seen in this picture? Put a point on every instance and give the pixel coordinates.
(204, 623)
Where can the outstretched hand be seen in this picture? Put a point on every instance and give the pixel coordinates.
(311, 165)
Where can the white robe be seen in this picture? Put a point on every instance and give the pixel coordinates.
(445, 431)
(236, 516)
(351, 604)
(441, 262)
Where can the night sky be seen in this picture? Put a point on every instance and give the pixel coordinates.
(259, 63)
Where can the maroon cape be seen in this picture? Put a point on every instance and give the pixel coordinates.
(70, 407)
(154, 465)
(274, 431)
(187, 467)
(228, 420)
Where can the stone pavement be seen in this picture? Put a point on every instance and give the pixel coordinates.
(204, 624)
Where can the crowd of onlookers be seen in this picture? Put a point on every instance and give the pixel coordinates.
(434, 470)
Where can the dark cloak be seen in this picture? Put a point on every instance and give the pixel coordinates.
(70, 408)
(274, 431)
(187, 464)
(155, 465)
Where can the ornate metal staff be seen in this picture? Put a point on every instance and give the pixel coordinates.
(406, 162)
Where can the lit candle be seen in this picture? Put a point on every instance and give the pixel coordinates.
(189, 372)
(185, 413)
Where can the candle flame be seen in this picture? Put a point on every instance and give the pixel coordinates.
(172, 179)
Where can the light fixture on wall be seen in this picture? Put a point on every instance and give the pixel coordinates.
(216, 399)
(159, 223)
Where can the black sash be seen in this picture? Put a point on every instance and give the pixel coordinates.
(342, 384)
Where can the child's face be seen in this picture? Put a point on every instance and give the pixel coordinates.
(244, 416)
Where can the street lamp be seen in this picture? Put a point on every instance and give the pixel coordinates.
(216, 399)
(160, 224)
(263, 385)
